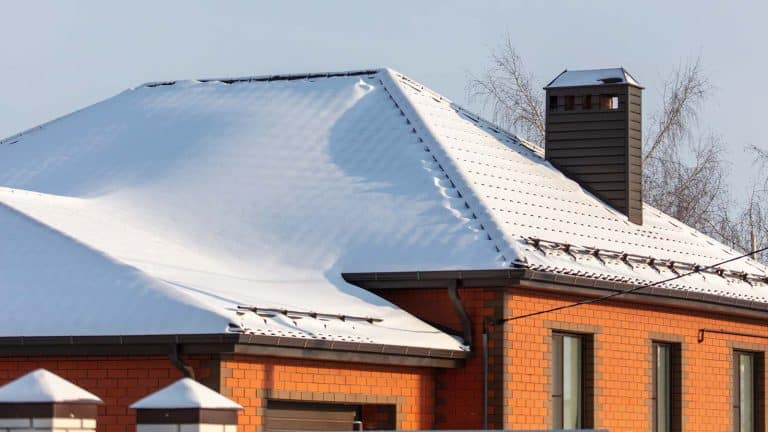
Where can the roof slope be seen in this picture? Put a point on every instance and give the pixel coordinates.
(221, 196)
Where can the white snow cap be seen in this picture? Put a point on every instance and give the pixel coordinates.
(590, 77)
(186, 393)
(42, 386)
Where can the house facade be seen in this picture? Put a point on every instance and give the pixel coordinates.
(330, 250)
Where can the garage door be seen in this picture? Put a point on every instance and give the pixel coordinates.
(310, 416)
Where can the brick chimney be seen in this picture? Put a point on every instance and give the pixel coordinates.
(593, 135)
(186, 406)
(41, 401)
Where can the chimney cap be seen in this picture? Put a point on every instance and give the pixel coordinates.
(593, 77)
(42, 386)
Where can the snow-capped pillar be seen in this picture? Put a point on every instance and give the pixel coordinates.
(41, 401)
(186, 406)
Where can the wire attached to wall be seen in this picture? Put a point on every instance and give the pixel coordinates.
(697, 269)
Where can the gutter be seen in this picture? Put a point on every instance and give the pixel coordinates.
(560, 284)
(228, 343)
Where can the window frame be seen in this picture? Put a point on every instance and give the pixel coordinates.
(558, 379)
(673, 385)
(736, 388)
(586, 102)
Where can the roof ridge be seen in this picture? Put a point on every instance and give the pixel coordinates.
(272, 77)
(505, 249)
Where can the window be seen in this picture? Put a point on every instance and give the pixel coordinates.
(748, 394)
(609, 102)
(568, 381)
(570, 102)
(586, 102)
(553, 103)
(667, 382)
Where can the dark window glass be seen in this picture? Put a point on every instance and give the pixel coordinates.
(586, 102)
(567, 381)
(553, 103)
(745, 391)
(570, 102)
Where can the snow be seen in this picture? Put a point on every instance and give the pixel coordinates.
(576, 78)
(163, 209)
(186, 393)
(41, 386)
(517, 195)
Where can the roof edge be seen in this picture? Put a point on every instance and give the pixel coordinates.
(230, 343)
(560, 283)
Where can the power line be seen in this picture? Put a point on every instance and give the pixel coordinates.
(629, 291)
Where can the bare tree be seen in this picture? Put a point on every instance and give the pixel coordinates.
(684, 171)
(684, 93)
(516, 102)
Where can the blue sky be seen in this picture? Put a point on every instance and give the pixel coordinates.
(57, 57)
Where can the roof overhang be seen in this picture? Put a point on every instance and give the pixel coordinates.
(228, 344)
(561, 284)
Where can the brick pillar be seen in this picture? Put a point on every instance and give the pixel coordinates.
(41, 401)
(186, 406)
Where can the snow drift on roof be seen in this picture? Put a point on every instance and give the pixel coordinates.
(42, 386)
(256, 194)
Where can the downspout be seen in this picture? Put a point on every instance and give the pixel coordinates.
(458, 307)
(466, 323)
(184, 368)
(485, 375)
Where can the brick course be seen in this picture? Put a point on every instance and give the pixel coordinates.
(622, 334)
(251, 381)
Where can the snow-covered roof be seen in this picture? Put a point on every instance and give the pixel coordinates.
(185, 393)
(592, 77)
(42, 386)
(212, 206)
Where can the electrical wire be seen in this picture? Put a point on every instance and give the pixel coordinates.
(629, 291)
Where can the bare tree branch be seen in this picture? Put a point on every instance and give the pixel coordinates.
(508, 88)
(684, 171)
(683, 95)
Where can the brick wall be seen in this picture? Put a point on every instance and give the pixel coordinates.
(118, 381)
(622, 336)
(251, 381)
(459, 393)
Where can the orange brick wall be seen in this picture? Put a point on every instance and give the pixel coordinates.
(622, 349)
(118, 381)
(459, 396)
(251, 380)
